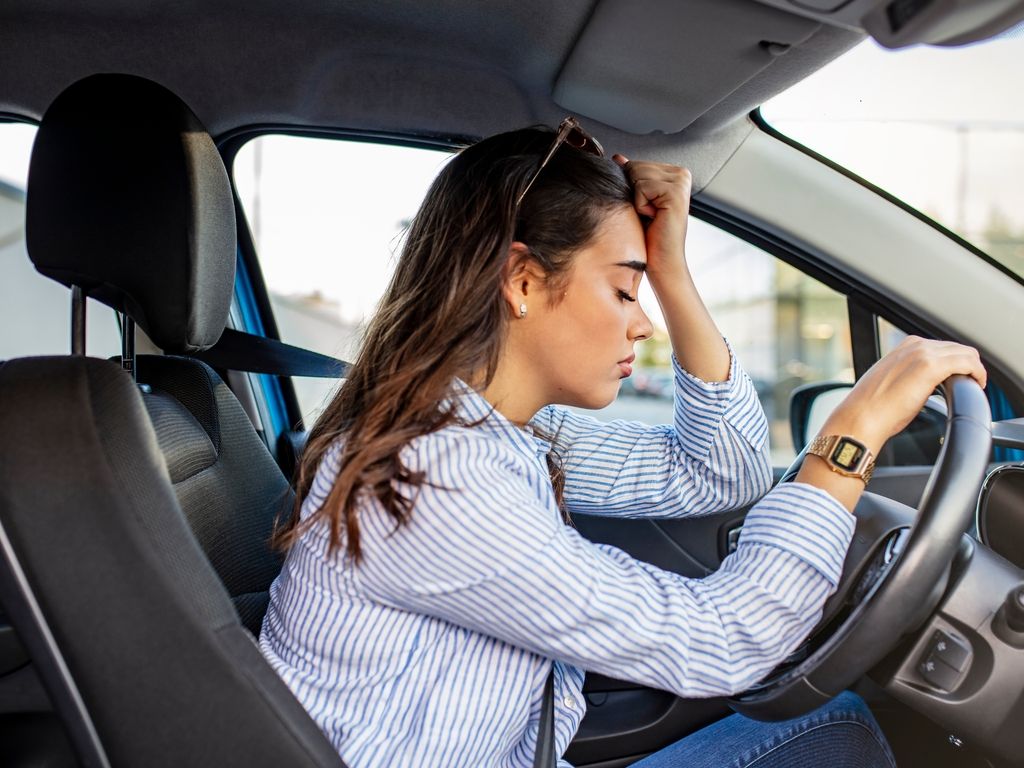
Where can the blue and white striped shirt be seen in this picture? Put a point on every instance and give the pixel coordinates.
(435, 649)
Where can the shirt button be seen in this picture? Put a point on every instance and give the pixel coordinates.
(569, 702)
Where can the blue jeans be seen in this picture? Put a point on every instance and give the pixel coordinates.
(841, 734)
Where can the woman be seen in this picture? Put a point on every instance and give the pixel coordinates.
(432, 582)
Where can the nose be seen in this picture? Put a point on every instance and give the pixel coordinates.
(640, 326)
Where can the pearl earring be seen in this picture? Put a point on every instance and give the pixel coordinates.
(522, 310)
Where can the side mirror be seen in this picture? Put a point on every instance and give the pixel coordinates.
(809, 407)
(917, 445)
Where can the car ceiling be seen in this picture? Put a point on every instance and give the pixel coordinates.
(655, 77)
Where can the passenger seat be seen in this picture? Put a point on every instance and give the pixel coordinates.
(117, 497)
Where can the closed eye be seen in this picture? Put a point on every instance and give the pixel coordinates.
(625, 296)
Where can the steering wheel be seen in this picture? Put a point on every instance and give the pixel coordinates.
(895, 571)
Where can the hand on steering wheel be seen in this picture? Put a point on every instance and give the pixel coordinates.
(899, 559)
(886, 399)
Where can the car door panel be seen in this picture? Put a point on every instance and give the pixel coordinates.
(629, 723)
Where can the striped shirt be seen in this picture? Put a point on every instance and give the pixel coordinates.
(435, 649)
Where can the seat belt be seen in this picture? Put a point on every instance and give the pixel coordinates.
(240, 351)
(545, 756)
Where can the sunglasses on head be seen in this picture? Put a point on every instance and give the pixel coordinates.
(569, 132)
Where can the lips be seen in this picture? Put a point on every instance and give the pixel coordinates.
(626, 366)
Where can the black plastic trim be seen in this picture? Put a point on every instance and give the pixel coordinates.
(864, 343)
(11, 117)
(232, 141)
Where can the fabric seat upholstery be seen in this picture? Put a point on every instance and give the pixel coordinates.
(115, 600)
(229, 488)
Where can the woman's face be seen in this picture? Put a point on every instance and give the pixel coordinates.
(581, 340)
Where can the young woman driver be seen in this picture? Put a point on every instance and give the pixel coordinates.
(433, 579)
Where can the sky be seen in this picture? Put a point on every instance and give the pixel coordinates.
(330, 213)
(942, 129)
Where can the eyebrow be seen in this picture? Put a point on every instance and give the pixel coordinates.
(639, 266)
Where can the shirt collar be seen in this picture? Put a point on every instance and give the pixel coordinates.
(472, 408)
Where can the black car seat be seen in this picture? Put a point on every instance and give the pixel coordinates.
(134, 516)
(129, 201)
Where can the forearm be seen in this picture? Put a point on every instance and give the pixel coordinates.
(696, 340)
(712, 457)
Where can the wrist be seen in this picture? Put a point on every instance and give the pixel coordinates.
(845, 455)
(859, 429)
(668, 274)
(674, 289)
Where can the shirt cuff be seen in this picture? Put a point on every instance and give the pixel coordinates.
(702, 405)
(805, 521)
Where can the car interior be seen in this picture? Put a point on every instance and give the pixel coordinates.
(139, 491)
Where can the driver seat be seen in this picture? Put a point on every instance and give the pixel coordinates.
(124, 614)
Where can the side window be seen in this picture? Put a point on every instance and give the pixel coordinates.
(786, 329)
(35, 312)
(327, 218)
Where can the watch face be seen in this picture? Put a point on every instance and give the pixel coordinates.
(848, 453)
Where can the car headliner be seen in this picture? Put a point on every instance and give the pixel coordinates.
(445, 69)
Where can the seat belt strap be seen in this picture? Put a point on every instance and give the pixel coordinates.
(545, 756)
(240, 351)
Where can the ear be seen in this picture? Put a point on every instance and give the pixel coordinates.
(524, 279)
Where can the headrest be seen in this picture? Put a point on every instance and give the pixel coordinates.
(129, 199)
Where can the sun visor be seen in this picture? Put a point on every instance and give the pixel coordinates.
(658, 65)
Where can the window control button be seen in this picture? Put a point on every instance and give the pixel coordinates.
(950, 650)
(938, 673)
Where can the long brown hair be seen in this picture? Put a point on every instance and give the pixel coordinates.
(444, 316)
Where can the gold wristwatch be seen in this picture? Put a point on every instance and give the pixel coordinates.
(844, 455)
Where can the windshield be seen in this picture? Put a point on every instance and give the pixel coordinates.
(942, 129)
